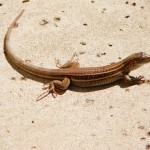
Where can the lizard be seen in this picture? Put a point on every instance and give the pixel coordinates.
(71, 73)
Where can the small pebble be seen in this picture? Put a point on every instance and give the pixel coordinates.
(23, 78)
(133, 4)
(85, 24)
(57, 19)
(82, 43)
(127, 16)
(43, 22)
(24, 1)
(81, 52)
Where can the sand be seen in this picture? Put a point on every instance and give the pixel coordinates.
(100, 32)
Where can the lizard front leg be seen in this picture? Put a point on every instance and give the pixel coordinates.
(134, 80)
(55, 87)
(72, 63)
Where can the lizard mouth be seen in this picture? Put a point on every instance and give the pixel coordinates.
(146, 57)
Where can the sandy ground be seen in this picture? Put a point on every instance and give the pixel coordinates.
(109, 118)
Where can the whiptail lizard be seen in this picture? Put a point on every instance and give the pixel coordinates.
(70, 73)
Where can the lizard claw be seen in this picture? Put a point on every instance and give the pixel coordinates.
(140, 80)
(50, 89)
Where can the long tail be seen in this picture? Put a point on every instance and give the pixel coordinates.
(7, 47)
(38, 71)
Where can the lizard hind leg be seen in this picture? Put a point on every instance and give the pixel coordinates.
(55, 88)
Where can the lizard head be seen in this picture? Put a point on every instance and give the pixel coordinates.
(142, 57)
(139, 59)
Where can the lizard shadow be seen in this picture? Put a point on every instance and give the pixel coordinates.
(119, 83)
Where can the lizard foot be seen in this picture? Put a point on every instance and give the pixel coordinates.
(139, 80)
(55, 87)
(134, 80)
(50, 89)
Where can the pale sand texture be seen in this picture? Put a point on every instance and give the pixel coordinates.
(110, 118)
